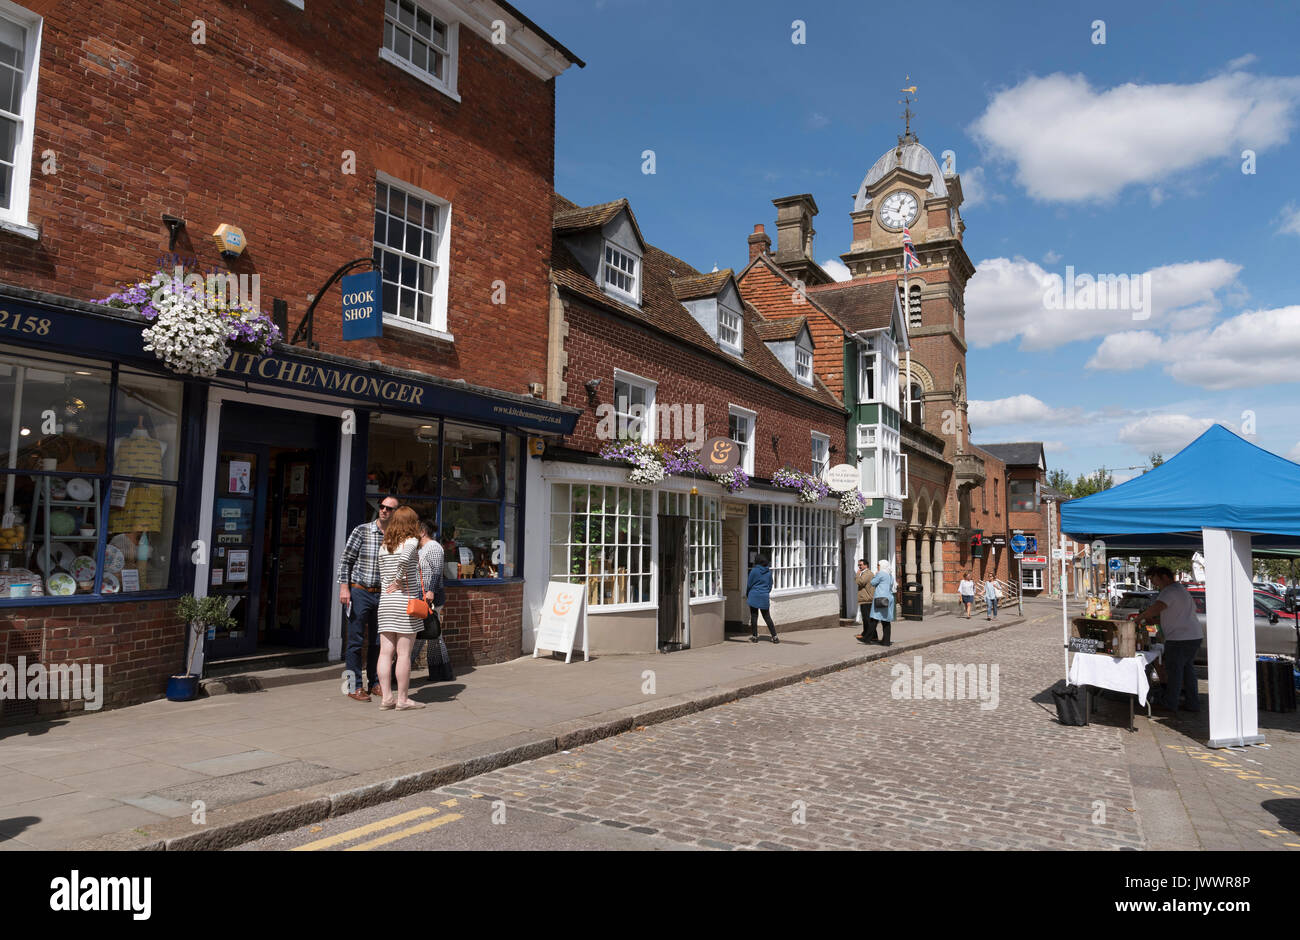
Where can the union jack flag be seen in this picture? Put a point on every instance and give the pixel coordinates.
(910, 260)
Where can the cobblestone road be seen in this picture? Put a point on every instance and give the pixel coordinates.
(843, 762)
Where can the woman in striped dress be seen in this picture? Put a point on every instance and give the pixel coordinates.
(399, 572)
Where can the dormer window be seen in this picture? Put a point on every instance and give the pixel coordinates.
(620, 272)
(729, 328)
(803, 365)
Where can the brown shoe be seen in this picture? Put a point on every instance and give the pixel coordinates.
(376, 690)
(360, 695)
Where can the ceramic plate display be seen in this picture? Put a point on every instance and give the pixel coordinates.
(111, 584)
(83, 568)
(65, 556)
(63, 523)
(80, 490)
(58, 490)
(113, 560)
(61, 584)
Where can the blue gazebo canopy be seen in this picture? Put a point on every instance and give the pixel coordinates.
(1218, 481)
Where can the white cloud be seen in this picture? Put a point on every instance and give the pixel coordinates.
(1294, 453)
(975, 189)
(1055, 447)
(1259, 347)
(1018, 409)
(837, 269)
(1008, 299)
(1165, 433)
(1070, 142)
(1290, 220)
(1242, 61)
(816, 121)
(1051, 257)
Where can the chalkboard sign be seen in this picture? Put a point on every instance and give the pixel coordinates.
(1086, 644)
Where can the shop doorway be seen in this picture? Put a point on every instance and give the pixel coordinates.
(672, 583)
(272, 521)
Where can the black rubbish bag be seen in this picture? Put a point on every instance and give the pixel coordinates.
(1070, 704)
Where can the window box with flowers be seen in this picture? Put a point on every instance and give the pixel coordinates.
(809, 487)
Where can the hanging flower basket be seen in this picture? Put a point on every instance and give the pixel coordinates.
(652, 462)
(193, 328)
(733, 481)
(809, 487)
(854, 503)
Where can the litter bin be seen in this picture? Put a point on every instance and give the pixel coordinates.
(911, 600)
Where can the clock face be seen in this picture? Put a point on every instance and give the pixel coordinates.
(898, 209)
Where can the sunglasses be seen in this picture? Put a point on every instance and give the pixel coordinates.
(383, 508)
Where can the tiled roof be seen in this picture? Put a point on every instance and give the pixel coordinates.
(857, 305)
(581, 218)
(777, 331)
(1021, 454)
(703, 285)
(662, 311)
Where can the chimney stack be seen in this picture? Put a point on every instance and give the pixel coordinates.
(794, 231)
(759, 243)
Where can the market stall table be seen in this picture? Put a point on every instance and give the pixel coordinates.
(1126, 674)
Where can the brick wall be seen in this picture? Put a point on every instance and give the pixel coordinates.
(140, 645)
(600, 342)
(483, 624)
(250, 128)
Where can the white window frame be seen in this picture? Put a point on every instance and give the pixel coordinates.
(438, 325)
(825, 441)
(608, 284)
(562, 514)
(803, 365)
(650, 387)
(867, 353)
(804, 546)
(448, 17)
(734, 323)
(14, 218)
(703, 541)
(1034, 583)
(747, 448)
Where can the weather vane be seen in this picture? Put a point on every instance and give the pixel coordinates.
(906, 101)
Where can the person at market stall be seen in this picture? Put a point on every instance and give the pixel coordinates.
(1175, 611)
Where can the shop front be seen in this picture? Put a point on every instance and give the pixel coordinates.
(665, 568)
(126, 486)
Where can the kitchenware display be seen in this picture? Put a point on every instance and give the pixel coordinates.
(114, 560)
(58, 490)
(20, 589)
(83, 568)
(111, 584)
(85, 587)
(61, 584)
(80, 490)
(62, 523)
(64, 557)
(87, 532)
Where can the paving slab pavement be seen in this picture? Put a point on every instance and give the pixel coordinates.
(122, 779)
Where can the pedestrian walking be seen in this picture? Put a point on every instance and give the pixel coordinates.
(757, 594)
(882, 602)
(865, 594)
(399, 571)
(432, 574)
(358, 578)
(1176, 612)
(966, 590)
(992, 593)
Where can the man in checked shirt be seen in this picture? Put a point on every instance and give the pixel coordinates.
(359, 589)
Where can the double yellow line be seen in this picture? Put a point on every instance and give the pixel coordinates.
(362, 831)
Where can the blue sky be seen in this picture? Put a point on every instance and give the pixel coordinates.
(1114, 158)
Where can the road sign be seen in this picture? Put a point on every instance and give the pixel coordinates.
(1134, 561)
(1033, 543)
(1019, 543)
(1116, 564)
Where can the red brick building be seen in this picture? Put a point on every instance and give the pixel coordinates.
(665, 561)
(413, 137)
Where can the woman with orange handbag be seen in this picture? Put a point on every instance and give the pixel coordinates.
(402, 608)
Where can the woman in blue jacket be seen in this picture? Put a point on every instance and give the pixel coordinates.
(757, 589)
(882, 605)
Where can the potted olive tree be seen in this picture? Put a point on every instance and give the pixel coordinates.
(200, 614)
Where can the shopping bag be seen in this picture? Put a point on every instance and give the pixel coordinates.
(1070, 704)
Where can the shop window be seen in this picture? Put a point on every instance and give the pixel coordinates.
(20, 34)
(419, 42)
(1023, 495)
(1031, 579)
(601, 536)
(89, 466)
(799, 541)
(411, 252)
(463, 478)
(705, 538)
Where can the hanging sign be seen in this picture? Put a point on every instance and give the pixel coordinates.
(564, 605)
(720, 455)
(363, 313)
(843, 477)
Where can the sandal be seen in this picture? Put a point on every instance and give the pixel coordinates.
(388, 705)
(407, 706)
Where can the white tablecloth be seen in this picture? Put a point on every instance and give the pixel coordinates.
(1111, 672)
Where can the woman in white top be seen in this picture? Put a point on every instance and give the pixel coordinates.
(967, 591)
(399, 572)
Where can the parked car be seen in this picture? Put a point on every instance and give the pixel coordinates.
(1275, 603)
(1272, 633)
(1118, 589)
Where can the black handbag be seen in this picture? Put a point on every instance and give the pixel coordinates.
(432, 626)
(1070, 704)
(880, 605)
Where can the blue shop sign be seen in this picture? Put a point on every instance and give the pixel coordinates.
(363, 315)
